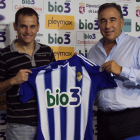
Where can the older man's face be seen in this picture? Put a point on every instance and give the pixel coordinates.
(110, 24)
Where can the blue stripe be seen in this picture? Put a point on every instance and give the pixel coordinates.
(63, 110)
(77, 132)
(89, 129)
(48, 84)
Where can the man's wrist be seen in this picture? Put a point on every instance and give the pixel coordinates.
(12, 81)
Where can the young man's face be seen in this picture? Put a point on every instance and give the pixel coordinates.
(110, 24)
(27, 28)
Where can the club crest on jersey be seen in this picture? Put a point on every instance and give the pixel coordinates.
(71, 98)
(79, 76)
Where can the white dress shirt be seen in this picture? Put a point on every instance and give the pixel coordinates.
(125, 53)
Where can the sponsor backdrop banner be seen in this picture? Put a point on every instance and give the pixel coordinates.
(67, 26)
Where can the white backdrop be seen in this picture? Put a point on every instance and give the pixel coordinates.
(65, 25)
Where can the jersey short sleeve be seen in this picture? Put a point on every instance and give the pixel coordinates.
(28, 89)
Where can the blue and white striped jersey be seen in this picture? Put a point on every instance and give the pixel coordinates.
(65, 92)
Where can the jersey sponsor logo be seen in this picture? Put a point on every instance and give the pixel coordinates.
(79, 76)
(61, 22)
(71, 98)
(62, 53)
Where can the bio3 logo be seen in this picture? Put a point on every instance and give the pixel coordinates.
(71, 98)
(55, 39)
(2, 36)
(88, 25)
(89, 36)
(59, 8)
(2, 4)
(125, 10)
(28, 2)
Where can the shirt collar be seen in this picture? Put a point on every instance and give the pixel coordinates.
(13, 47)
(118, 40)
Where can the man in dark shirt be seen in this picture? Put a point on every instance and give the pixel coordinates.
(16, 60)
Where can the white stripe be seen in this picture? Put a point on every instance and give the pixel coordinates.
(56, 84)
(42, 104)
(85, 101)
(70, 110)
(86, 60)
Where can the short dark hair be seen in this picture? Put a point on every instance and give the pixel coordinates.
(110, 5)
(26, 11)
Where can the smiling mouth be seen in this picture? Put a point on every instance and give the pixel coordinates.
(27, 36)
(109, 32)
